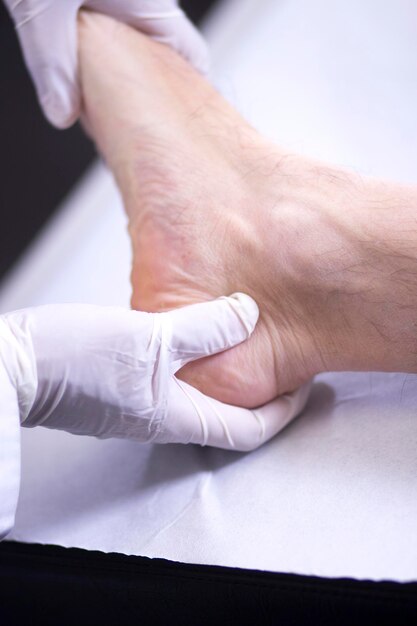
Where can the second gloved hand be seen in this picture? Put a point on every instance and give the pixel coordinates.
(47, 31)
(110, 372)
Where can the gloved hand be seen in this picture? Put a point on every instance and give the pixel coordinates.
(47, 32)
(110, 372)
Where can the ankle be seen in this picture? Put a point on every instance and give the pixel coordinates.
(315, 251)
(351, 259)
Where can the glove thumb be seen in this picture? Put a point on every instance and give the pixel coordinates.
(49, 44)
(203, 329)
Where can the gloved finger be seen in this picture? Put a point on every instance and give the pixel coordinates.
(164, 21)
(205, 421)
(199, 330)
(49, 44)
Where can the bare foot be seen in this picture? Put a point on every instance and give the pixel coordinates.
(213, 209)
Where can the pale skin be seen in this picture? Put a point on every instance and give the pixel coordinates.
(215, 208)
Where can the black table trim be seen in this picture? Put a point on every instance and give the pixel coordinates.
(51, 584)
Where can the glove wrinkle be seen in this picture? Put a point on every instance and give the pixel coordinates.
(19, 361)
(222, 422)
(200, 414)
(110, 372)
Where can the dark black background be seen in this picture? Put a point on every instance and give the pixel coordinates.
(38, 164)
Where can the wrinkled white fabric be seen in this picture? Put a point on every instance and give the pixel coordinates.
(47, 32)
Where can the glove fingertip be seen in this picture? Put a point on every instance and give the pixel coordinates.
(246, 309)
(190, 43)
(59, 96)
(59, 113)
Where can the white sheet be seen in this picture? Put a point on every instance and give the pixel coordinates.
(336, 493)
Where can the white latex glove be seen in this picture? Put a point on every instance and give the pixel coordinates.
(47, 32)
(110, 372)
